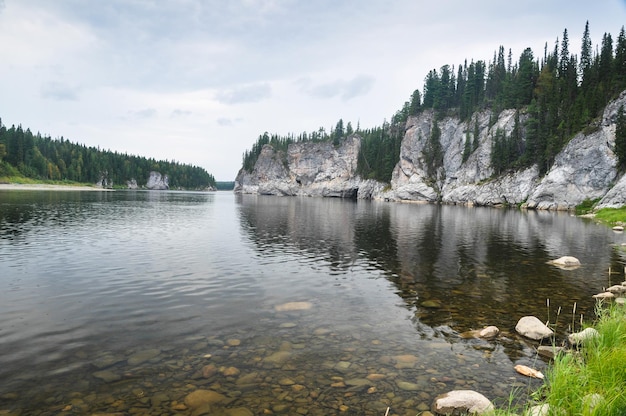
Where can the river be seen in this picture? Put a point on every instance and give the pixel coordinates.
(128, 302)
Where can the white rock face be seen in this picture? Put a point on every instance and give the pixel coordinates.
(308, 169)
(156, 181)
(584, 169)
(531, 327)
(462, 402)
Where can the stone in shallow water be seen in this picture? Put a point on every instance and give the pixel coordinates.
(203, 397)
(531, 327)
(107, 376)
(407, 386)
(277, 358)
(143, 356)
(432, 304)
(293, 306)
(461, 402)
(489, 332)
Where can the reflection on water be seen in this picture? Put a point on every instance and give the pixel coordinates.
(129, 302)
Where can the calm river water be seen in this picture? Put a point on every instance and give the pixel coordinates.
(165, 303)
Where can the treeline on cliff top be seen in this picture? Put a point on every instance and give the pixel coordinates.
(34, 156)
(562, 93)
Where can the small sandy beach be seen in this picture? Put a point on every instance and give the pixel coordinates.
(47, 187)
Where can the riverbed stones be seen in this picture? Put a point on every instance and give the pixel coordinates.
(583, 336)
(458, 402)
(531, 327)
(549, 351)
(202, 397)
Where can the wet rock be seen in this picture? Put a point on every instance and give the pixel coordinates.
(143, 356)
(529, 372)
(531, 327)
(618, 228)
(549, 351)
(583, 336)
(375, 377)
(233, 342)
(489, 332)
(342, 366)
(566, 262)
(604, 295)
(616, 289)
(201, 397)
(459, 402)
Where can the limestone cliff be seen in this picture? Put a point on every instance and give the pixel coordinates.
(584, 169)
(156, 181)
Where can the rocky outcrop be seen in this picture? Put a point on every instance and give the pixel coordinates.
(307, 169)
(584, 169)
(156, 181)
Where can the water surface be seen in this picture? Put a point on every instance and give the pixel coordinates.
(129, 301)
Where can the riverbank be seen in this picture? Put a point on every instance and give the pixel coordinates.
(48, 187)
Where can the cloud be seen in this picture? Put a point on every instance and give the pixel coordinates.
(180, 113)
(143, 114)
(226, 122)
(246, 94)
(58, 91)
(346, 90)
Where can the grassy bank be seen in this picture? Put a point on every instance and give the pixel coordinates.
(612, 216)
(21, 180)
(589, 381)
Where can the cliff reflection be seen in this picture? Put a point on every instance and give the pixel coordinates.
(455, 267)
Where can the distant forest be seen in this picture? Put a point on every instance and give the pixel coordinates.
(560, 92)
(33, 156)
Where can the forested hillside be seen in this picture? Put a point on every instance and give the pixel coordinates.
(559, 94)
(35, 156)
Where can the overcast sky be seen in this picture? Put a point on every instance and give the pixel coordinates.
(197, 81)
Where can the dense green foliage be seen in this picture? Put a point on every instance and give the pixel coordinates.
(560, 94)
(35, 156)
(225, 186)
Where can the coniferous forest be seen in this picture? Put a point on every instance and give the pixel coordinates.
(34, 156)
(559, 92)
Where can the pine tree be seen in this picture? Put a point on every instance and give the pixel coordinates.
(586, 58)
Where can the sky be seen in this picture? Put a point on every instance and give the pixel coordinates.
(197, 81)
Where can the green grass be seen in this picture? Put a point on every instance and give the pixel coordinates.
(612, 215)
(22, 180)
(599, 368)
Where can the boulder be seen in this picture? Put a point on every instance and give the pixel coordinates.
(616, 289)
(531, 327)
(460, 402)
(566, 262)
(529, 372)
(489, 332)
(583, 336)
(604, 295)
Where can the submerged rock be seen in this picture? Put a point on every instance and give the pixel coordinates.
(489, 332)
(458, 402)
(203, 397)
(531, 327)
(293, 306)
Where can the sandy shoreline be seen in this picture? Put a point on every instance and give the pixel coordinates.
(47, 187)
